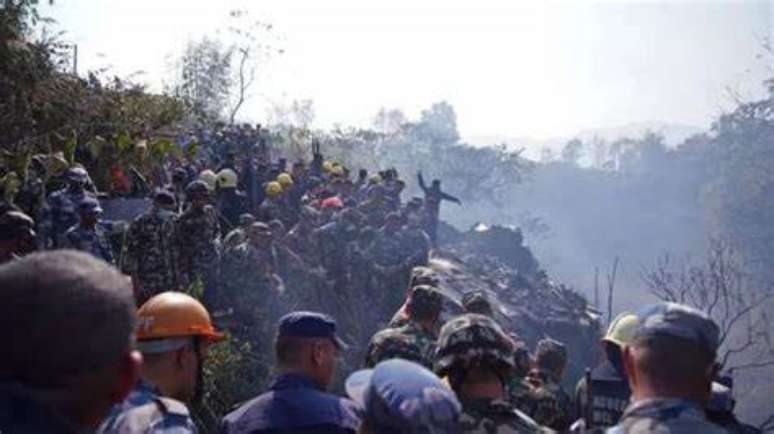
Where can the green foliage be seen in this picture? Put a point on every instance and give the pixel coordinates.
(233, 373)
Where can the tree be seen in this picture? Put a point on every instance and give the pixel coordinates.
(438, 124)
(254, 43)
(571, 152)
(204, 81)
(215, 76)
(389, 121)
(722, 287)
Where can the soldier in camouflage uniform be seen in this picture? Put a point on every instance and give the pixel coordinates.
(477, 357)
(60, 211)
(419, 276)
(197, 241)
(477, 302)
(520, 391)
(552, 404)
(251, 284)
(238, 235)
(149, 249)
(91, 235)
(416, 243)
(670, 364)
(301, 238)
(392, 271)
(414, 341)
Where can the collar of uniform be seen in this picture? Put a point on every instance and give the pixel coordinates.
(293, 380)
(659, 407)
(146, 386)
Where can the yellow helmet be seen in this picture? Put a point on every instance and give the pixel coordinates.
(227, 178)
(273, 189)
(375, 179)
(174, 314)
(621, 330)
(285, 180)
(337, 171)
(209, 177)
(327, 166)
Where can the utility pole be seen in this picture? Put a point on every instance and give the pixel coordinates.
(75, 59)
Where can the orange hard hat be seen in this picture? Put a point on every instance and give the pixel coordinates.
(174, 314)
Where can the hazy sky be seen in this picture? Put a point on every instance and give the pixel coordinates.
(517, 68)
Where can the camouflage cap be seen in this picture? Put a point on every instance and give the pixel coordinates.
(680, 321)
(550, 354)
(425, 301)
(423, 276)
(246, 219)
(472, 338)
(89, 205)
(477, 302)
(77, 174)
(15, 223)
(197, 188)
(391, 344)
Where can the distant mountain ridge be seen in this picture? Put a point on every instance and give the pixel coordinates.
(673, 133)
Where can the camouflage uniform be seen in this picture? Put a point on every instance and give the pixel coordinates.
(247, 289)
(59, 214)
(416, 246)
(233, 239)
(145, 411)
(486, 416)
(411, 341)
(473, 339)
(150, 254)
(665, 416)
(93, 240)
(197, 240)
(552, 405)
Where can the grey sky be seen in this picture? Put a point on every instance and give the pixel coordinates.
(516, 68)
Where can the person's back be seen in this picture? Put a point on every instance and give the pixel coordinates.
(293, 405)
(146, 411)
(307, 349)
(475, 356)
(670, 364)
(85, 369)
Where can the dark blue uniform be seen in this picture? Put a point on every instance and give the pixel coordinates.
(22, 414)
(293, 405)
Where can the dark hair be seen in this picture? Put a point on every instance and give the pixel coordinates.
(67, 299)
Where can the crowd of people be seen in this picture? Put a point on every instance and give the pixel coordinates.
(228, 244)
(113, 368)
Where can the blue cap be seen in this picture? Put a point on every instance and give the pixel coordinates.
(89, 204)
(399, 396)
(302, 324)
(680, 321)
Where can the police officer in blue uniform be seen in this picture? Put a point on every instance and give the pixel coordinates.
(90, 234)
(307, 350)
(670, 363)
(402, 397)
(60, 211)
